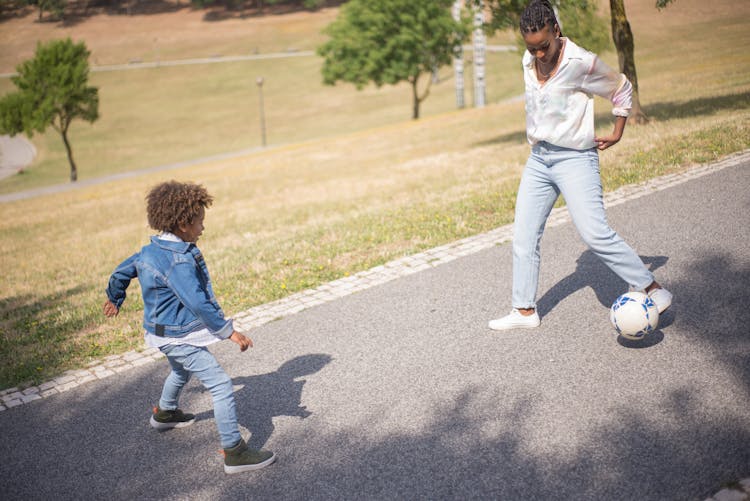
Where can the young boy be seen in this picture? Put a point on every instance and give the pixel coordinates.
(182, 317)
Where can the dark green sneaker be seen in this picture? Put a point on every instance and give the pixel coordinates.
(239, 458)
(166, 420)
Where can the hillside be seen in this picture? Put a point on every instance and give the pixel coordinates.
(171, 34)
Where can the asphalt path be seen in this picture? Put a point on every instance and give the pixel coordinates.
(402, 392)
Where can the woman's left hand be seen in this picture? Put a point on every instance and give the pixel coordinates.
(604, 142)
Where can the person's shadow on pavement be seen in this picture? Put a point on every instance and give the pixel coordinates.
(591, 272)
(261, 398)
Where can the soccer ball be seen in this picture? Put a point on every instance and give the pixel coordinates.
(634, 315)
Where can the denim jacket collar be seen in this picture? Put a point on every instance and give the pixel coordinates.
(181, 247)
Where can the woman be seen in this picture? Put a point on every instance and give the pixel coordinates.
(561, 79)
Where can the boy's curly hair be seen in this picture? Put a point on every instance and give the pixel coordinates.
(172, 203)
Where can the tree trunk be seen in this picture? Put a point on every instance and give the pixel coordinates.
(458, 60)
(73, 169)
(625, 45)
(415, 98)
(479, 55)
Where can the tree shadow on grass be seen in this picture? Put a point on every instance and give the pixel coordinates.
(78, 11)
(516, 137)
(660, 111)
(697, 107)
(28, 307)
(250, 9)
(40, 320)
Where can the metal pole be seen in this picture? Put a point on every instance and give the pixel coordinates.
(259, 81)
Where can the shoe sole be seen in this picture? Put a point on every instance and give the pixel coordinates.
(168, 426)
(248, 467)
(515, 326)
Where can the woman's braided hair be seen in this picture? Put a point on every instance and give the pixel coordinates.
(537, 15)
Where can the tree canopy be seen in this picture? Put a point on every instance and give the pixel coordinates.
(391, 41)
(580, 22)
(52, 91)
(579, 19)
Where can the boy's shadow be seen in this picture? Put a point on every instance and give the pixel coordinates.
(261, 398)
(591, 272)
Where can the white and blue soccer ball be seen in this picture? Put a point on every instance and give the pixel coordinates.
(634, 315)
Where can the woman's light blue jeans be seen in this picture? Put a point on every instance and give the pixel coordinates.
(550, 171)
(186, 360)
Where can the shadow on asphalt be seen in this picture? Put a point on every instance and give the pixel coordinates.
(98, 445)
(266, 396)
(713, 304)
(591, 272)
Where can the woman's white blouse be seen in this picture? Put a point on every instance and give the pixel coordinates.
(561, 111)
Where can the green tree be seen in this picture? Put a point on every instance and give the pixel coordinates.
(579, 19)
(52, 91)
(391, 41)
(582, 25)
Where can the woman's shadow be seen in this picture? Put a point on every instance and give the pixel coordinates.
(591, 272)
(261, 398)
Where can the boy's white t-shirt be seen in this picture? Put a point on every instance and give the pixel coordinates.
(201, 337)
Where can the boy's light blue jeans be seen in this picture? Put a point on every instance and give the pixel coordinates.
(550, 171)
(186, 360)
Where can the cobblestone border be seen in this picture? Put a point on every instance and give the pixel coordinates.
(98, 369)
(265, 313)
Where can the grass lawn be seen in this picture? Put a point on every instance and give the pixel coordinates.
(352, 185)
(159, 116)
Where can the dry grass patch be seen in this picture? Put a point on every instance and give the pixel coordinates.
(183, 34)
(292, 217)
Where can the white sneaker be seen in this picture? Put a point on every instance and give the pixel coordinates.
(515, 320)
(661, 297)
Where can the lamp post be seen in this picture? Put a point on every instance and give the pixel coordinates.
(259, 81)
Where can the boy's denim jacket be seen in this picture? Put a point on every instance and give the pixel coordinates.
(177, 294)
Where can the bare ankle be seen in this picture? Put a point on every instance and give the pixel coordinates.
(526, 311)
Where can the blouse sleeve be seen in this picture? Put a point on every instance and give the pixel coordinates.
(609, 84)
